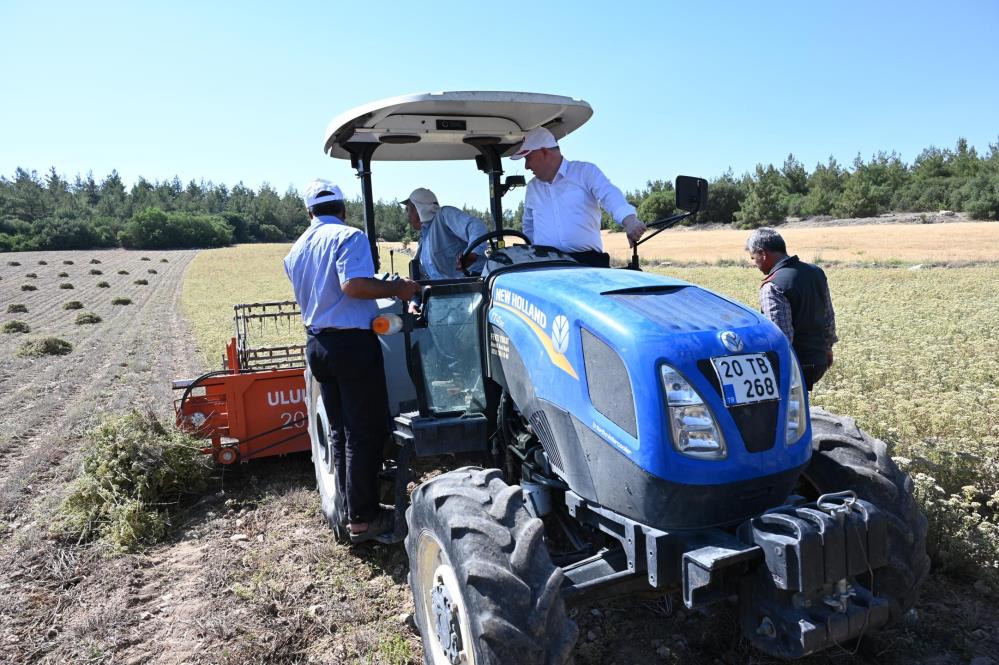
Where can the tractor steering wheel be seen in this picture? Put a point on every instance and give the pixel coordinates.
(492, 237)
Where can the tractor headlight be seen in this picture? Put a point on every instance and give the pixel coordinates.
(695, 431)
(796, 412)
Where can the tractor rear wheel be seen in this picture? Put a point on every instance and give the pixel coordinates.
(332, 503)
(844, 457)
(485, 588)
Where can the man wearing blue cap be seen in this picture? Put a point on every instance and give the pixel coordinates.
(332, 275)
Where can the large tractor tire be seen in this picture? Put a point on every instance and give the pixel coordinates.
(844, 457)
(332, 502)
(485, 588)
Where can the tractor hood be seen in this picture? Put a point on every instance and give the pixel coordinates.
(593, 342)
(636, 304)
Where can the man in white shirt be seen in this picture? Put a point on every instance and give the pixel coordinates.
(563, 201)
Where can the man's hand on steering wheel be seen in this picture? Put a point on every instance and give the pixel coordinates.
(465, 260)
(492, 237)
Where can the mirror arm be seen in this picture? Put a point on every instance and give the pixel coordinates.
(659, 225)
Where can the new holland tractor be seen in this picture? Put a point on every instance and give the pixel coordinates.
(638, 435)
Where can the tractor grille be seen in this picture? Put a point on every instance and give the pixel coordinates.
(757, 423)
(539, 423)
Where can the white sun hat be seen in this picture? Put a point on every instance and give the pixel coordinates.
(321, 191)
(537, 138)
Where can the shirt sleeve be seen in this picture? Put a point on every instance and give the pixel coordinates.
(527, 220)
(466, 227)
(775, 306)
(831, 337)
(611, 198)
(353, 258)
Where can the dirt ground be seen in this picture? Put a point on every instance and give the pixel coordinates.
(250, 574)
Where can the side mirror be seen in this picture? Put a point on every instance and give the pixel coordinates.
(511, 182)
(691, 193)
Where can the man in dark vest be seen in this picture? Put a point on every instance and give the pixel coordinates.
(795, 296)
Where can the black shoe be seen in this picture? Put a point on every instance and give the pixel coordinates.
(383, 522)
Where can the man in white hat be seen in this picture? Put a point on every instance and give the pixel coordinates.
(563, 201)
(332, 275)
(445, 234)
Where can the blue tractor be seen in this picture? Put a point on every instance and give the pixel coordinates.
(637, 435)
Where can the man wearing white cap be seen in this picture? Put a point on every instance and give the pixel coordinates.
(445, 234)
(332, 275)
(563, 201)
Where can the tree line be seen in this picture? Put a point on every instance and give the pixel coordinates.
(938, 179)
(50, 212)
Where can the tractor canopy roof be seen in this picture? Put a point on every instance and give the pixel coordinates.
(451, 125)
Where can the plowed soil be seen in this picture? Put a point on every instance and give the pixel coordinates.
(250, 574)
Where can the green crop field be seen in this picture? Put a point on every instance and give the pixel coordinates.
(916, 365)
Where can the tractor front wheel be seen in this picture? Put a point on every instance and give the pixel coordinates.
(485, 589)
(844, 457)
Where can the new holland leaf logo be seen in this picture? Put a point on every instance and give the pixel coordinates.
(560, 333)
(559, 338)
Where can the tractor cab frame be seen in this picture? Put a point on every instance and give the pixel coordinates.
(481, 126)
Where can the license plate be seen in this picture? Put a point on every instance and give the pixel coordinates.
(746, 379)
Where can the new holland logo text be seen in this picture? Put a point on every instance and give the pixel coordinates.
(554, 345)
(519, 302)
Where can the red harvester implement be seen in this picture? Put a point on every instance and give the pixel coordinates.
(256, 405)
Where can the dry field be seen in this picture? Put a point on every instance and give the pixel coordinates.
(250, 574)
(55, 598)
(936, 244)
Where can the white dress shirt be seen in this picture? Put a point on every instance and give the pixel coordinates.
(565, 213)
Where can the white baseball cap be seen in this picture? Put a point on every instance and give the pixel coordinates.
(425, 203)
(537, 138)
(421, 195)
(321, 191)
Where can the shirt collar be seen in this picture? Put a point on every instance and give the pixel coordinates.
(562, 168)
(786, 261)
(327, 219)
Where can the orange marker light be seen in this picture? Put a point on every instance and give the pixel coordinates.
(386, 324)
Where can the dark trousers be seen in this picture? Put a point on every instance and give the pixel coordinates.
(812, 374)
(349, 367)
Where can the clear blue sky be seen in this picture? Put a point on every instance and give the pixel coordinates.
(243, 91)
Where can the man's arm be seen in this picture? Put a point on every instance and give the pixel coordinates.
(466, 227)
(613, 201)
(776, 307)
(369, 288)
(355, 270)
